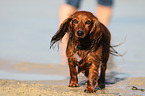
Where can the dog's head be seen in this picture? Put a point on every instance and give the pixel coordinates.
(79, 25)
(83, 23)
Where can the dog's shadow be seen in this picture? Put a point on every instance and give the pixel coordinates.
(111, 78)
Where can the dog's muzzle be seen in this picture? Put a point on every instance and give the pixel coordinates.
(80, 33)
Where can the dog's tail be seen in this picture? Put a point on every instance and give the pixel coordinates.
(114, 52)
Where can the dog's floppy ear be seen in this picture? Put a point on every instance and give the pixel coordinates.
(99, 30)
(105, 31)
(96, 29)
(61, 32)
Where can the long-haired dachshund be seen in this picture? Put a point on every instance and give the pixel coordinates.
(88, 48)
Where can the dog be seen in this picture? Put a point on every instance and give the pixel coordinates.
(88, 48)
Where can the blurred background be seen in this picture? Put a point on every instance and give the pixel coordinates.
(27, 26)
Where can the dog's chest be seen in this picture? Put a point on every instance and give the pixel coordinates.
(78, 58)
(80, 54)
(81, 57)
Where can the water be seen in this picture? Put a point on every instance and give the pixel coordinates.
(24, 76)
(27, 26)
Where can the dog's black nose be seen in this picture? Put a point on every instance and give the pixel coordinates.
(80, 33)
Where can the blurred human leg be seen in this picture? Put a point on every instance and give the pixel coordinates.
(65, 11)
(104, 11)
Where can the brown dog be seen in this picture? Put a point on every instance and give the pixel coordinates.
(88, 48)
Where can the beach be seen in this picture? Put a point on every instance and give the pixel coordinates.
(28, 67)
(40, 88)
(115, 86)
(57, 83)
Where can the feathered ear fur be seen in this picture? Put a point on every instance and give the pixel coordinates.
(61, 32)
(95, 32)
(96, 25)
(105, 32)
(99, 31)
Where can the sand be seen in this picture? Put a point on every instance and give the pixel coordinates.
(42, 88)
(128, 86)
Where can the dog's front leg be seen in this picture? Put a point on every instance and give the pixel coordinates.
(73, 74)
(102, 74)
(92, 78)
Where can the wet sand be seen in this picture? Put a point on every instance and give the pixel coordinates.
(41, 88)
(115, 86)
(60, 88)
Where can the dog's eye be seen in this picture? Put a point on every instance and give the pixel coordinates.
(88, 22)
(75, 21)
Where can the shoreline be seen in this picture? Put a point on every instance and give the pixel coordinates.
(60, 88)
(117, 84)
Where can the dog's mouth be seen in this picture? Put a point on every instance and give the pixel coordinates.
(83, 43)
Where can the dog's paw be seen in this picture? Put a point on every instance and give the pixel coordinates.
(101, 83)
(90, 90)
(102, 86)
(73, 84)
